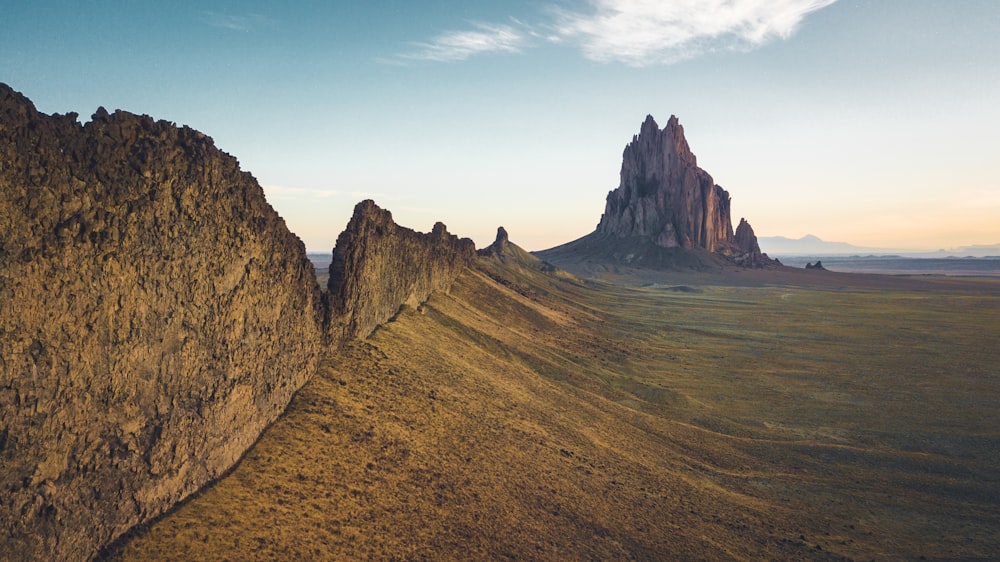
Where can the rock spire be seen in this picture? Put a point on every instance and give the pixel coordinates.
(664, 197)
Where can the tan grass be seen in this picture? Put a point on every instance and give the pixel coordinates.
(529, 416)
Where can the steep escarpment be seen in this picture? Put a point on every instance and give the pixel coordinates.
(155, 316)
(378, 266)
(665, 205)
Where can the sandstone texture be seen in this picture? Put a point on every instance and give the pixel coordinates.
(378, 266)
(665, 200)
(155, 316)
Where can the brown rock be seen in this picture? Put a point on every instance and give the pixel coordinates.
(665, 196)
(499, 246)
(379, 266)
(664, 204)
(155, 315)
(747, 252)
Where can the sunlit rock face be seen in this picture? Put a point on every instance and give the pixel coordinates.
(665, 198)
(155, 316)
(379, 266)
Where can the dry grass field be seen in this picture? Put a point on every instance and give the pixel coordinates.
(534, 416)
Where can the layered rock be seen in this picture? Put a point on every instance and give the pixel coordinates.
(379, 266)
(666, 199)
(155, 316)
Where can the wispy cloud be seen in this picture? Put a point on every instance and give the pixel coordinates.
(633, 32)
(646, 32)
(235, 22)
(460, 45)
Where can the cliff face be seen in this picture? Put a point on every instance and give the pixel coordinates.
(665, 196)
(378, 266)
(666, 199)
(155, 315)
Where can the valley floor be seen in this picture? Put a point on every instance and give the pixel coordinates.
(527, 415)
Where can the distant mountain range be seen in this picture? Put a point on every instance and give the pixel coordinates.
(809, 245)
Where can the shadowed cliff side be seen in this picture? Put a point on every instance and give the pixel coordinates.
(378, 266)
(156, 315)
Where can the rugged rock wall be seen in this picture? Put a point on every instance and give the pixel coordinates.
(664, 197)
(378, 266)
(155, 315)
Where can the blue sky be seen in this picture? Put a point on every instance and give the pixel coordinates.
(871, 122)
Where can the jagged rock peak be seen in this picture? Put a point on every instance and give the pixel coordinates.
(664, 197)
(378, 266)
(747, 251)
(746, 240)
(670, 138)
(499, 246)
(502, 238)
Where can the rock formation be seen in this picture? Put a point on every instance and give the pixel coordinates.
(665, 196)
(747, 251)
(664, 200)
(499, 247)
(156, 316)
(378, 266)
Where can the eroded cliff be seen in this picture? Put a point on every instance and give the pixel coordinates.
(155, 316)
(378, 266)
(665, 196)
(664, 199)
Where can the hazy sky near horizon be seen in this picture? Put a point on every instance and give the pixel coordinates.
(870, 122)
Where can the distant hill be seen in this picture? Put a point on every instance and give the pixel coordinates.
(810, 245)
(978, 251)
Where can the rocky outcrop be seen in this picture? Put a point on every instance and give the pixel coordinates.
(379, 266)
(818, 266)
(155, 316)
(665, 198)
(747, 251)
(500, 246)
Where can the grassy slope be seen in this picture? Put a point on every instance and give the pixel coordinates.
(526, 415)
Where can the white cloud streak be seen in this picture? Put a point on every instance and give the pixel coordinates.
(635, 32)
(460, 45)
(648, 32)
(235, 22)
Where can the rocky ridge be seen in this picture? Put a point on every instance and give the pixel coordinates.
(156, 316)
(378, 266)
